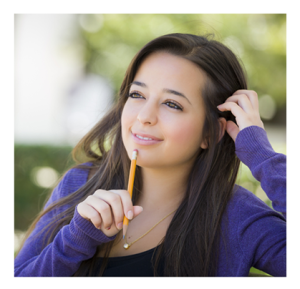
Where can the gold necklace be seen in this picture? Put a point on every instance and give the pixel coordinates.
(126, 245)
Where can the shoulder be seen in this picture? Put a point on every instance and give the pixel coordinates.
(241, 196)
(77, 176)
(245, 209)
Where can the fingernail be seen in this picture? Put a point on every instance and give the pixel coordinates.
(120, 225)
(108, 228)
(130, 215)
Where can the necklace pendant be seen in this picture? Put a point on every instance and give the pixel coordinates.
(126, 246)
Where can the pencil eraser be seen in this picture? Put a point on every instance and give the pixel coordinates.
(135, 150)
(134, 154)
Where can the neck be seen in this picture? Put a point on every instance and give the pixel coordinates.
(163, 189)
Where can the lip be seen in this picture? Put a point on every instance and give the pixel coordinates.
(137, 140)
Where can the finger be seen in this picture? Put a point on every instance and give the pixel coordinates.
(89, 213)
(115, 202)
(232, 129)
(137, 210)
(126, 201)
(102, 208)
(235, 109)
(252, 95)
(242, 100)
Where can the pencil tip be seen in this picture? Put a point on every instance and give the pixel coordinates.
(124, 230)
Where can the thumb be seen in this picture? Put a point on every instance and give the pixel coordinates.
(137, 210)
(232, 129)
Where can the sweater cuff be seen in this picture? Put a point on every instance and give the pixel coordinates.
(252, 146)
(86, 232)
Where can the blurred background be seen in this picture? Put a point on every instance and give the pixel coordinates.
(69, 67)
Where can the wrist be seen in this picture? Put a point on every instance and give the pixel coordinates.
(86, 230)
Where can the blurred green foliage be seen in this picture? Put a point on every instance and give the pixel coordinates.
(29, 197)
(109, 42)
(258, 273)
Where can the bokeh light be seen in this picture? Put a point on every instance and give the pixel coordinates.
(91, 22)
(44, 177)
(267, 107)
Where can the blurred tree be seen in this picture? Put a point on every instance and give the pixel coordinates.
(110, 41)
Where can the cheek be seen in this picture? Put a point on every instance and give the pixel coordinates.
(126, 118)
(186, 135)
(125, 125)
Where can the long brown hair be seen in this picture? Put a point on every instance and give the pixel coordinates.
(190, 247)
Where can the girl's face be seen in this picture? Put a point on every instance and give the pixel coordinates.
(165, 104)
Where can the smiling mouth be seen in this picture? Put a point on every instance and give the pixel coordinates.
(144, 138)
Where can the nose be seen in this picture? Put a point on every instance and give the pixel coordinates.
(148, 113)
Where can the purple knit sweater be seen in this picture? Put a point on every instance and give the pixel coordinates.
(255, 236)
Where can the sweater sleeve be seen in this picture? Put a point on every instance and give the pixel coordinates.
(261, 230)
(268, 167)
(73, 244)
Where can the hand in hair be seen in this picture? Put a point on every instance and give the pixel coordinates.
(243, 104)
(105, 209)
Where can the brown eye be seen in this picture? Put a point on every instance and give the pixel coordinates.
(134, 95)
(174, 105)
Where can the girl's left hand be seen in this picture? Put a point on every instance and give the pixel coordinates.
(243, 104)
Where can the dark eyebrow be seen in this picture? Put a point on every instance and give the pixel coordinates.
(142, 84)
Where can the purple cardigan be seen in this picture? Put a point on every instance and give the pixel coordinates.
(256, 235)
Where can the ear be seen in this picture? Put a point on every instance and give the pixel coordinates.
(222, 128)
(222, 124)
(204, 144)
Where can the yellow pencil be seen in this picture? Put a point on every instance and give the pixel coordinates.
(130, 187)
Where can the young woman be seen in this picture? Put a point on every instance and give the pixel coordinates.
(184, 105)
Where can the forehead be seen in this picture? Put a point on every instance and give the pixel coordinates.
(169, 62)
(162, 70)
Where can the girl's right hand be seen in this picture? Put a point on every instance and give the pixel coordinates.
(106, 209)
